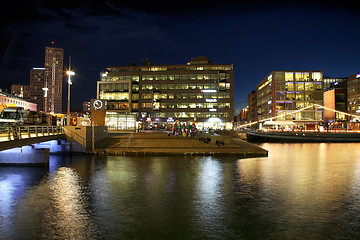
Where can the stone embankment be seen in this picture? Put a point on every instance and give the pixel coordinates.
(160, 143)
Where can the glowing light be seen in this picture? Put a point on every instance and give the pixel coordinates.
(300, 110)
(70, 73)
(46, 90)
(208, 90)
(214, 120)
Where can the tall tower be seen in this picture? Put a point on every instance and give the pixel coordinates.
(53, 79)
(36, 87)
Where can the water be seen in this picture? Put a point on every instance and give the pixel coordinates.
(300, 191)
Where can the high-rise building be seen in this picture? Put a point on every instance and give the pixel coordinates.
(53, 78)
(36, 87)
(21, 90)
(198, 91)
(283, 92)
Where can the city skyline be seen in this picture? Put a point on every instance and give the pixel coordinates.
(256, 37)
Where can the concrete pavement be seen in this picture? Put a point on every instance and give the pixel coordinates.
(159, 143)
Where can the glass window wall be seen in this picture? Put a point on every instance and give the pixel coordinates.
(289, 76)
(301, 76)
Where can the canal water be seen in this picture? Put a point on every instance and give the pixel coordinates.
(300, 191)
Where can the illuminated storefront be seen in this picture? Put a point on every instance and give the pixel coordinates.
(119, 121)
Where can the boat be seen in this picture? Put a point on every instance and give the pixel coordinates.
(302, 136)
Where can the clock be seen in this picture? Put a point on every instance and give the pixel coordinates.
(98, 104)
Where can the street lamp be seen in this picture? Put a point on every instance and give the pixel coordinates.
(45, 96)
(69, 73)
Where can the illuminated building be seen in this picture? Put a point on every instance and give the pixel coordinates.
(36, 86)
(53, 78)
(353, 90)
(334, 83)
(20, 90)
(251, 102)
(198, 91)
(335, 99)
(9, 100)
(282, 92)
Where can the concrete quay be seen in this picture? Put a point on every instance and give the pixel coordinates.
(159, 143)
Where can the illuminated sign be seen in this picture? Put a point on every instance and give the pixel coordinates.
(210, 100)
(97, 104)
(208, 90)
(358, 75)
(212, 110)
(148, 119)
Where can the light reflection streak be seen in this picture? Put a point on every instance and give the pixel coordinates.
(56, 208)
(8, 186)
(209, 191)
(305, 181)
(67, 217)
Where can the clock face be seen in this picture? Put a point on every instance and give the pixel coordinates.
(98, 104)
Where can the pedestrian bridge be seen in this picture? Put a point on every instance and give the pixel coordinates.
(12, 137)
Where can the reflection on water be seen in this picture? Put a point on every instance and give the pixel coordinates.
(299, 191)
(56, 208)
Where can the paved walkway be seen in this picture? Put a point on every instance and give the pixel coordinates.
(159, 143)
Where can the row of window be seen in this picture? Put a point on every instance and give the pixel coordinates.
(105, 77)
(298, 76)
(185, 95)
(298, 86)
(159, 105)
(192, 115)
(299, 96)
(221, 86)
(114, 87)
(122, 96)
(13, 101)
(167, 68)
(289, 105)
(217, 76)
(220, 76)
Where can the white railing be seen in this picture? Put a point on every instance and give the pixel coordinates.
(23, 132)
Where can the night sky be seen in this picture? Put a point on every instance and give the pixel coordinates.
(256, 36)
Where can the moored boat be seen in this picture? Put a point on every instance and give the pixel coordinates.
(301, 136)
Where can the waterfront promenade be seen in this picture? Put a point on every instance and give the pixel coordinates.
(159, 143)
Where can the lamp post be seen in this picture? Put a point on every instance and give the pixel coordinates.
(69, 73)
(45, 96)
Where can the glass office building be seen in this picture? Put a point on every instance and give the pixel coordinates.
(156, 96)
(282, 92)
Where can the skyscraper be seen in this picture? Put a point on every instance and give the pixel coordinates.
(53, 79)
(36, 87)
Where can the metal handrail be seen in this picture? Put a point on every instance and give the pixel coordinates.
(79, 136)
(29, 131)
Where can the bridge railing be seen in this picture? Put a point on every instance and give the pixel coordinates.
(23, 132)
